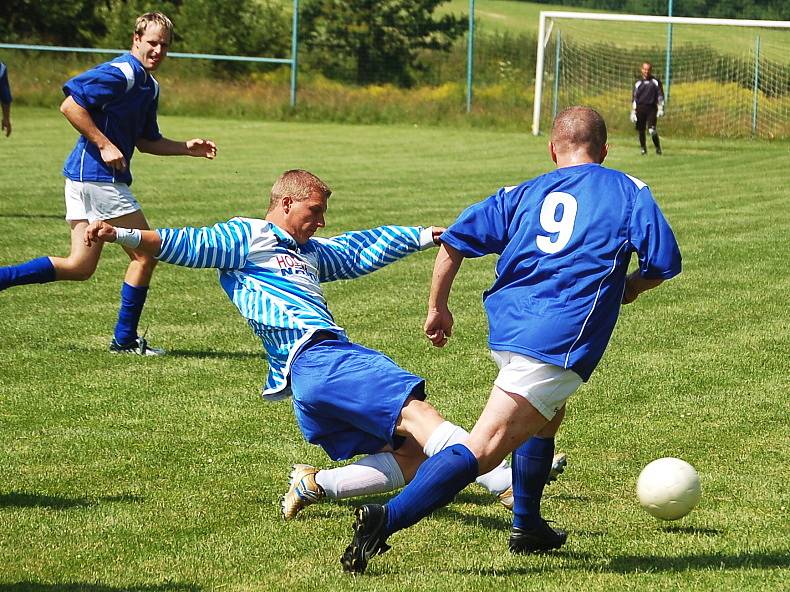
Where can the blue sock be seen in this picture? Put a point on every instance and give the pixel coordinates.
(531, 466)
(35, 271)
(132, 301)
(437, 482)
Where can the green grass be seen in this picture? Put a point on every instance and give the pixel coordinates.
(523, 17)
(122, 473)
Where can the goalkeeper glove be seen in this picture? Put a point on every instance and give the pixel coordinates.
(633, 116)
(660, 111)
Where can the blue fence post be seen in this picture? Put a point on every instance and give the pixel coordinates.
(294, 52)
(668, 69)
(470, 55)
(756, 84)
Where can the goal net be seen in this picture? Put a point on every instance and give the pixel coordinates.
(721, 77)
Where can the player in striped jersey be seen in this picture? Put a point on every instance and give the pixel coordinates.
(348, 399)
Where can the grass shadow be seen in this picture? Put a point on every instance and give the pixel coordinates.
(711, 561)
(220, 355)
(21, 499)
(35, 216)
(691, 530)
(27, 586)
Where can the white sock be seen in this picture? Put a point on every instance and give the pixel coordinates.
(496, 481)
(376, 473)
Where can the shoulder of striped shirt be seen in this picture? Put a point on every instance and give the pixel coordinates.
(261, 233)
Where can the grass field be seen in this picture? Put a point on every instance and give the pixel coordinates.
(154, 475)
(523, 17)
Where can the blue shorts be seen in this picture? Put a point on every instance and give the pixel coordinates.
(347, 398)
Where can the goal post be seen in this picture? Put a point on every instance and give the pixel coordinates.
(728, 77)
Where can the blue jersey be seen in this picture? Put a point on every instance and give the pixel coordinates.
(5, 88)
(122, 98)
(275, 282)
(564, 241)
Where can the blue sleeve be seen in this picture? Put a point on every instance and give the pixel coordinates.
(482, 228)
(653, 239)
(96, 87)
(222, 246)
(5, 88)
(353, 254)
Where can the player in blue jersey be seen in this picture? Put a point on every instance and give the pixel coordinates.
(113, 106)
(348, 399)
(5, 100)
(564, 241)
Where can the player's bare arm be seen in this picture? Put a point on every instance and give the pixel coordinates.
(198, 147)
(635, 285)
(100, 231)
(82, 121)
(436, 233)
(439, 320)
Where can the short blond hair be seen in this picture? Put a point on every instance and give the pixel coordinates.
(299, 185)
(158, 18)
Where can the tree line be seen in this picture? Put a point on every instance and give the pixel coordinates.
(361, 41)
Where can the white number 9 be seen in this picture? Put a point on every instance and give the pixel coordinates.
(563, 227)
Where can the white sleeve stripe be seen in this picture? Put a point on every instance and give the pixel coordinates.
(128, 72)
(639, 184)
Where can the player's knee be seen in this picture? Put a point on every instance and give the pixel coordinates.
(144, 263)
(76, 272)
(651, 131)
(487, 462)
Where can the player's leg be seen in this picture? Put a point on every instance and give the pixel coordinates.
(78, 265)
(134, 292)
(652, 128)
(546, 387)
(445, 434)
(373, 474)
(350, 411)
(532, 463)
(388, 470)
(641, 126)
(506, 422)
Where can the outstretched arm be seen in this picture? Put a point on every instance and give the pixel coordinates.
(166, 147)
(222, 246)
(439, 321)
(146, 241)
(354, 254)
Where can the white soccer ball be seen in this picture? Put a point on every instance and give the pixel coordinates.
(668, 488)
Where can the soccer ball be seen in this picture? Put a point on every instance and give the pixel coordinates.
(668, 488)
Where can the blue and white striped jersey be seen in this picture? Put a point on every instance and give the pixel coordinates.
(276, 283)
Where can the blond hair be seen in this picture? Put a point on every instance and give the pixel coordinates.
(299, 185)
(142, 22)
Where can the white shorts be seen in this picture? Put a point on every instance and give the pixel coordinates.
(98, 200)
(545, 386)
